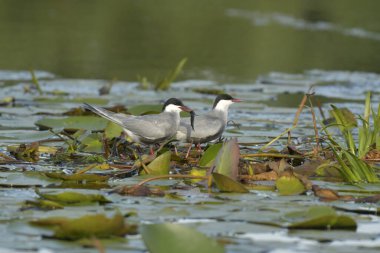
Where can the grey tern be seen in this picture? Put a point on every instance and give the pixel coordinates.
(209, 126)
(148, 129)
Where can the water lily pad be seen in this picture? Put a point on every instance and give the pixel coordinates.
(174, 238)
(73, 123)
(87, 226)
(112, 130)
(73, 197)
(320, 217)
(41, 205)
(160, 165)
(288, 184)
(77, 177)
(226, 184)
(210, 154)
(92, 143)
(227, 161)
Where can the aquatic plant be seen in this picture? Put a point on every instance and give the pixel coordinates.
(165, 82)
(350, 156)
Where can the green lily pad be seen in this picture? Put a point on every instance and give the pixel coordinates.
(73, 123)
(289, 185)
(74, 198)
(320, 217)
(227, 161)
(160, 165)
(210, 154)
(92, 143)
(174, 238)
(77, 177)
(87, 226)
(227, 184)
(112, 130)
(41, 204)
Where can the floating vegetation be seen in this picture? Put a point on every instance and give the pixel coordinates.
(350, 156)
(73, 174)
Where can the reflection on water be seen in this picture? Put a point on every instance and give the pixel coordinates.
(264, 19)
(121, 39)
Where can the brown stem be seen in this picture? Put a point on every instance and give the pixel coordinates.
(298, 113)
(314, 125)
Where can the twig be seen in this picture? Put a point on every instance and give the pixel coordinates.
(314, 125)
(98, 245)
(298, 113)
(288, 130)
(89, 167)
(276, 138)
(319, 105)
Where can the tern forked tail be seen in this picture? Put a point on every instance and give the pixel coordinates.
(104, 113)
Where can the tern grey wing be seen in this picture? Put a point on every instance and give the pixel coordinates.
(152, 127)
(206, 128)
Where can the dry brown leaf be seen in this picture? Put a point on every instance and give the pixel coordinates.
(139, 191)
(326, 194)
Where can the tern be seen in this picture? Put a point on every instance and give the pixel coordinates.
(148, 129)
(209, 126)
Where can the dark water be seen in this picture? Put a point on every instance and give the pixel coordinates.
(227, 41)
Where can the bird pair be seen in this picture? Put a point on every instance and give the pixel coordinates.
(157, 128)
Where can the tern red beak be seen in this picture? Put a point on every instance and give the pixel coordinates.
(185, 108)
(235, 100)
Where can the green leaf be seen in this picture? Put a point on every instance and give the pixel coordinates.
(92, 123)
(41, 204)
(87, 226)
(227, 161)
(169, 79)
(174, 238)
(112, 130)
(289, 185)
(210, 154)
(92, 143)
(227, 184)
(319, 217)
(346, 121)
(77, 177)
(160, 165)
(74, 198)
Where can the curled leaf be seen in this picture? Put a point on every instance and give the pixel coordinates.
(289, 184)
(210, 154)
(160, 165)
(74, 197)
(227, 184)
(227, 161)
